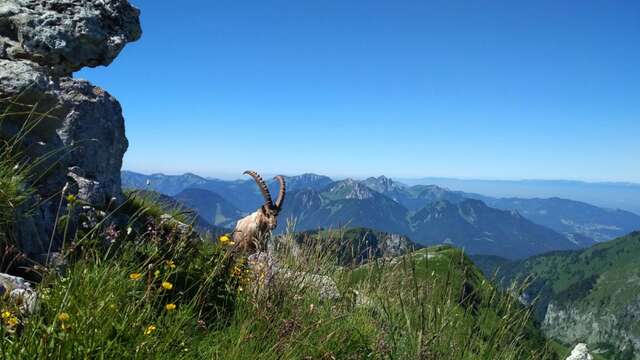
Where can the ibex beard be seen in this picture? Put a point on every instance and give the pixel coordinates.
(251, 232)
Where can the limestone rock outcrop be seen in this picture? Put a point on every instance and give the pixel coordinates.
(79, 141)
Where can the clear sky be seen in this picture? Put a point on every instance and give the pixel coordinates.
(461, 88)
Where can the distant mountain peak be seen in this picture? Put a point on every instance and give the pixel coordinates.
(383, 184)
(352, 189)
(306, 181)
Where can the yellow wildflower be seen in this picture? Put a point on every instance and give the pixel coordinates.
(167, 285)
(225, 240)
(170, 307)
(171, 264)
(6, 314)
(12, 321)
(150, 329)
(71, 198)
(135, 276)
(237, 271)
(156, 273)
(63, 317)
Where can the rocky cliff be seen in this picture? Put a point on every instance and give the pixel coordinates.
(589, 296)
(78, 138)
(595, 324)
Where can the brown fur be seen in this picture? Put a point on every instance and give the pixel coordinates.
(250, 234)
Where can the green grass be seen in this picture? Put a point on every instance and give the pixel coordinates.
(431, 304)
(108, 311)
(437, 295)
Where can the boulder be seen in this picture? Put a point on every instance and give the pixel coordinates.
(580, 352)
(67, 35)
(268, 271)
(19, 292)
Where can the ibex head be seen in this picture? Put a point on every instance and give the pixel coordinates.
(269, 209)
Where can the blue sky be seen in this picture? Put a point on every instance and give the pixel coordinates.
(477, 89)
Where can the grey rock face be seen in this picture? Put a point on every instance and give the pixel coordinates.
(79, 140)
(18, 76)
(93, 132)
(593, 325)
(67, 35)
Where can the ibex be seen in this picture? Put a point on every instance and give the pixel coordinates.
(250, 233)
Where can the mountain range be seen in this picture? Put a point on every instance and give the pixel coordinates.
(613, 195)
(569, 216)
(429, 214)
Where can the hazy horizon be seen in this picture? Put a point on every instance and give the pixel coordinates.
(239, 175)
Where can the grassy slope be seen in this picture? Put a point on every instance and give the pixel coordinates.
(432, 304)
(605, 272)
(444, 297)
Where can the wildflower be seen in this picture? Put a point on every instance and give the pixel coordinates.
(111, 233)
(12, 321)
(63, 317)
(167, 285)
(170, 307)
(156, 273)
(225, 240)
(171, 264)
(6, 315)
(237, 271)
(129, 230)
(135, 276)
(150, 329)
(71, 199)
